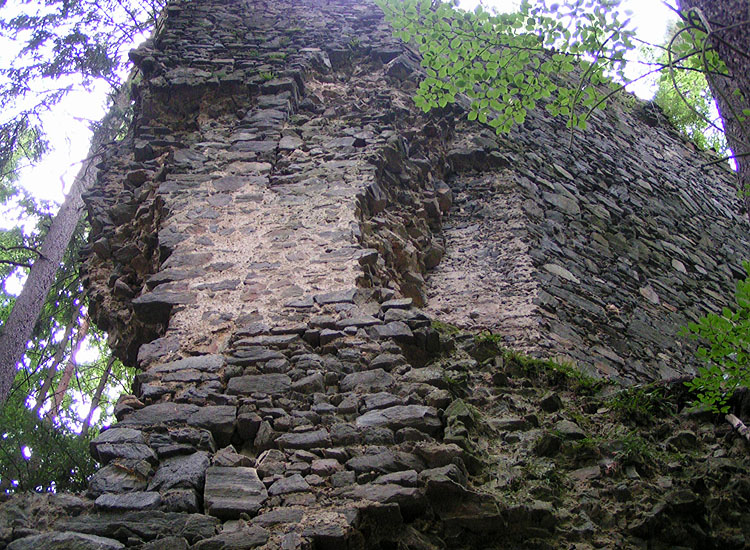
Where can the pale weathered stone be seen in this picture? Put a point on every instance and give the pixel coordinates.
(261, 383)
(65, 541)
(403, 416)
(230, 492)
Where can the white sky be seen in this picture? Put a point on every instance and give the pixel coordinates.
(67, 128)
(650, 17)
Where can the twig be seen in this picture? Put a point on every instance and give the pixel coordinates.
(724, 159)
(738, 425)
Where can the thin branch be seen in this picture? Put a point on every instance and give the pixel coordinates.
(21, 247)
(16, 264)
(725, 159)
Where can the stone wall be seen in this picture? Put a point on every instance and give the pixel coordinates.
(596, 247)
(273, 245)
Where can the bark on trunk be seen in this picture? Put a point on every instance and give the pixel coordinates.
(738, 425)
(728, 23)
(18, 329)
(70, 367)
(59, 354)
(97, 397)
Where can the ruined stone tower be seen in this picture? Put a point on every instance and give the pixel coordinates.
(283, 245)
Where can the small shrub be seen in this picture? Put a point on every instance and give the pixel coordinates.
(486, 345)
(445, 328)
(636, 450)
(556, 372)
(640, 404)
(725, 350)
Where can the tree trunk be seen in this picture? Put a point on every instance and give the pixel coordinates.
(70, 367)
(729, 28)
(96, 398)
(52, 370)
(17, 330)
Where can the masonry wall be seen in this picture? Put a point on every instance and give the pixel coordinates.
(272, 245)
(595, 247)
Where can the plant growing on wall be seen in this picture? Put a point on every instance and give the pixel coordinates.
(725, 349)
(567, 56)
(508, 64)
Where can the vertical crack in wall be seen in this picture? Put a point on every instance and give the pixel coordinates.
(487, 279)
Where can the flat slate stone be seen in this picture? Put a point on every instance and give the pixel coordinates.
(244, 539)
(338, 297)
(229, 184)
(385, 462)
(187, 376)
(399, 303)
(420, 417)
(291, 484)
(304, 440)
(381, 400)
(435, 376)
(279, 515)
(120, 443)
(173, 274)
(569, 430)
(310, 384)
(155, 306)
(358, 321)
(405, 478)
(167, 543)
(140, 500)
(274, 340)
(395, 330)
(259, 383)
(369, 381)
(217, 419)
(149, 524)
(253, 356)
(255, 146)
(230, 492)
(202, 363)
(387, 361)
(160, 413)
(182, 471)
(411, 500)
(289, 143)
(112, 479)
(106, 452)
(116, 434)
(65, 541)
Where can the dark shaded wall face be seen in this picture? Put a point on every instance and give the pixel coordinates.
(596, 249)
(274, 245)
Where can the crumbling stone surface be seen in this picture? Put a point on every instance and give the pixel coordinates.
(596, 251)
(283, 245)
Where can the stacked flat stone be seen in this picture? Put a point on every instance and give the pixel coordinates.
(271, 245)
